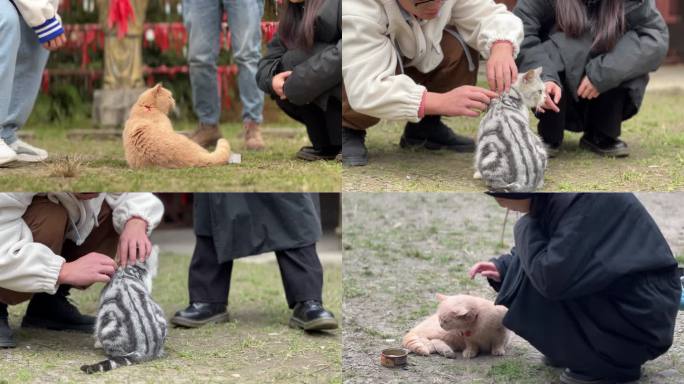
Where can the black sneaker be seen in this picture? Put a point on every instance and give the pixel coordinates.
(6, 336)
(199, 314)
(57, 313)
(354, 152)
(605, 146)
(309, 153)
(433, 134)
(571, 377)
(311, 316)
(550, 363)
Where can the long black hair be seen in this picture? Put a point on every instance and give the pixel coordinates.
(296, 27)
(604, 18)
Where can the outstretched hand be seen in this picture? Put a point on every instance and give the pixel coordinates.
(553, 92)
(133, 242)
(86, 270)
(486, 269)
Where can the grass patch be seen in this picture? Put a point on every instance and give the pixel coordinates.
(256, 346)
(99, 165)
(655, 136)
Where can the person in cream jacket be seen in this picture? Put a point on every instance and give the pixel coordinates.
(51, 242)
(417, 60)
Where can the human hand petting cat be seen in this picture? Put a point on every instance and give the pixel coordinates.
(501, 68)
(553, 96)
(466, 100)
(486, 269)
(88, 269)
(133, 242)
(278, 83)
(587, 90)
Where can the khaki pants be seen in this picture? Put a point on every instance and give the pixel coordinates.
(49, 222)
(451, 73)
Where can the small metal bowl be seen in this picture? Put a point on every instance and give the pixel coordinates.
(393, 357)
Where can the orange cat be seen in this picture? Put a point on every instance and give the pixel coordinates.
(462, 323)
(149, 138)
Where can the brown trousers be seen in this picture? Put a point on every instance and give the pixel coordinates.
(49, 223)
(451, 73)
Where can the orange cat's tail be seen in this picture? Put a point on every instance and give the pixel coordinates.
(220, 154)
(416, 344)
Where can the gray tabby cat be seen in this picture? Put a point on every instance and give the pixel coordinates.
(509, 156)
(130, 326)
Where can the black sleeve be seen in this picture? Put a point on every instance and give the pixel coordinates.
(640, 50)
(537, 16)
(315, 76)
(269, 65)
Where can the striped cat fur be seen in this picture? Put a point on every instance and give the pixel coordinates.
(509, 157)
(130, 326)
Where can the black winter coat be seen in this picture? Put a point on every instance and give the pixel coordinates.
(591, 283)
(316, 75)
(244, 224)
(639, 51)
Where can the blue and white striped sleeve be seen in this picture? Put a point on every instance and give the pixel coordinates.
(50, 29)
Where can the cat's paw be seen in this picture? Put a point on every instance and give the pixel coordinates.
(421, 350)
(469, 353)
(445, 351)
(477, 175)
(498, 351)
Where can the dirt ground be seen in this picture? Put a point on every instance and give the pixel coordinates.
(401, 249)
(256, 346)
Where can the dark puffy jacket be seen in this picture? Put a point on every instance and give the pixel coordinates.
(639, 51)
(591, 283)
(317, 74)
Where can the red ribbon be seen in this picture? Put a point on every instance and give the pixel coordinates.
(120, 11)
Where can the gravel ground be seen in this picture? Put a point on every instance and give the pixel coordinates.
(401, 249)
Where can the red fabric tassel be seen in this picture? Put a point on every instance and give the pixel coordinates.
(120, 11)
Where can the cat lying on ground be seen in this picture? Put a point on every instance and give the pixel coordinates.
(462, 323)
(130, 326)
(149, 138)
(509, 157)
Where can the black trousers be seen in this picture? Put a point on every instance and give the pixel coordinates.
(209, 280)
(599, 118)
(323, 127)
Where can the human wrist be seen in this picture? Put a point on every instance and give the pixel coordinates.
(432, 102)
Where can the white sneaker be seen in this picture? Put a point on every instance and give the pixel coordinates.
(7, 154)
(28, 153)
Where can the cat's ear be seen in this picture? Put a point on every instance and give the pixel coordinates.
(441, 297)
(157, 88)
(462, 313)
(538, 71)
(529, 76)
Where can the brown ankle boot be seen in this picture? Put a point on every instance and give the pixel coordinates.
(206, 135)
(253, 139)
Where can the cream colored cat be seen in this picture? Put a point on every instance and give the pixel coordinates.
(462, 323)
(149, 138)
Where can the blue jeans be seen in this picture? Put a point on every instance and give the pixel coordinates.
(22, 60)
(203, 21)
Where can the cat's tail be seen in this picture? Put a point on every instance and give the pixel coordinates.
(108, 365)
(416, 344)
(221, 154)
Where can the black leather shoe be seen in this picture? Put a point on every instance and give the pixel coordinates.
(433, 134)
(311, 316)
(199, 314)
(605, 146)
(57, 313)
(309, 153)
(6, 337)
(354, 152)
(571, 377)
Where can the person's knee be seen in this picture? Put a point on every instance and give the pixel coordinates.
(47, 224)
